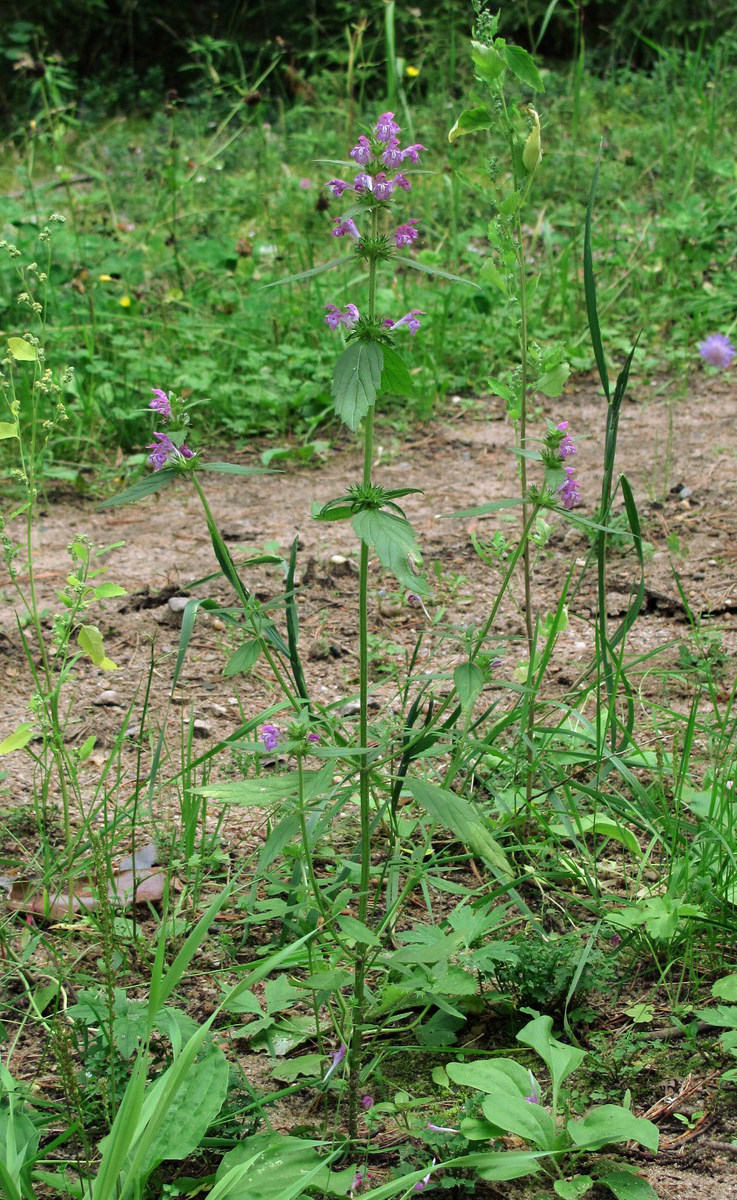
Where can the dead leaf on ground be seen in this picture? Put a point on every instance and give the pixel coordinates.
(131, 881)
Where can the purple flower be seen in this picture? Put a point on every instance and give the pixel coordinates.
(160, 404)
(392, 156)
(360, 1181)
(406, 234)
(305, 184)
(567, 446)
(383, 187)
(569, 490)
(403, 182)
(534, 1096)
(335, 1061)
(361, 153)
(717, 350)
(161, 454)
(363, 182)
(270, 735)
(422, 1184)
(336, 317)
(345, 226)
(413, 152)
(440, 1128)
(338, 186)
(386, 127)
(315, 737)
(409, 319)
(367, 1102)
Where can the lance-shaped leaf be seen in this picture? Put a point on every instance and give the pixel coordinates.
(141, 488)
(465, 820)
(356, 381)
(394, 542)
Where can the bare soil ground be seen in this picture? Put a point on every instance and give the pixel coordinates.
(679, 456)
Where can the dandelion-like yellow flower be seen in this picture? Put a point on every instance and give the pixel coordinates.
(125, 301)
(412, 72)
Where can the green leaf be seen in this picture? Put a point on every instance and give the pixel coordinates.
(428, 270)
(395, 378)
(286, 1166)
(490, 273)
(500, 1164)
(464, 819)
(90, 643)
(560, 1059)
(194, 1108)
(356, 381)
(724, 988)
(516, 1115)
(601, 826)
(609, 1123)
(326, 266)
(627, 1186)
(105, 591)
(141, 488)
(573, 1189)
(21, 350)
(8, 429)
(470, 121)
(523, 66)
(359, 932)
(19, 738)
(553, 382)
(268, 790)
(233, 469)
(488, 61)
(242, 659)
(393, 540)
(469, 681)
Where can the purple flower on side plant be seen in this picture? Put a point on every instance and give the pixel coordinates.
(386, 127)
(534, 1096)
(160, 404)
(440, 1128)
(409, 319)
(345, 226)
(335, 1061)
(361, 1180)
(567, 446)
(270, 735)
(313, 737)
(717, 350)
(361, 153)
(367, 1102)
(569, 490)
(336, 316)
(422, 1183)
(161, 453)
(406, 234)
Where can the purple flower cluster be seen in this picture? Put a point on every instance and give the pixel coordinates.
(350, 317)
(567, 445)
(270, 735)
(164, 449)
(569, 490)
(717, 350)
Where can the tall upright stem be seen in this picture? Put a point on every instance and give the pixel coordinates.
(526, 564)
(364, 772)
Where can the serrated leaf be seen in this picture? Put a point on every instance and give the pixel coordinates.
(19, 738)
(463, 818)
(393, 540)
(553, 382)
(21, 350)
(488, 61)
(523, 66)
(470, 121)
(242, 659)
(395, 378)
(491, 274)
(91, 644)
(141, 488)
(356, 381)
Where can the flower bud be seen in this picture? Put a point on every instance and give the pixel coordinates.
(533, 151)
